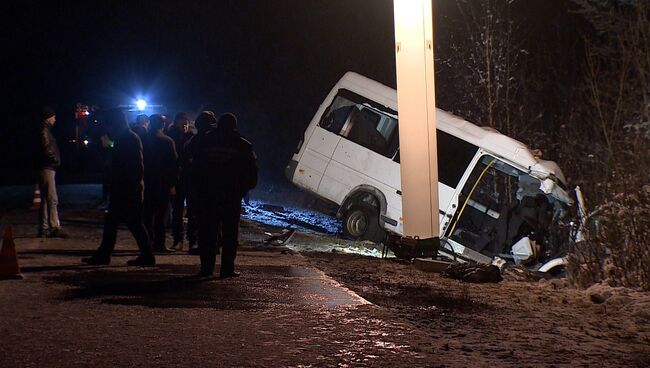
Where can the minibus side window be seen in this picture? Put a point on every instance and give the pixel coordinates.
(454, 156)
(337, 114)
(363, 130)
(362, 122)
(393, 148)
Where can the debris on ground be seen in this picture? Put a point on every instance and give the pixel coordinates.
(470, 272)
(279, 238)
(521, 274)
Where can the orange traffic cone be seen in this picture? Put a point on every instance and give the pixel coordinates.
(36, 202)
(9, 268)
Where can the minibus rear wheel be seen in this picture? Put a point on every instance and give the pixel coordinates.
(361, 222)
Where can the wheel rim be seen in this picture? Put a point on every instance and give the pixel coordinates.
(357, 223)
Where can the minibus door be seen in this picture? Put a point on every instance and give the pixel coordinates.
(317, 156)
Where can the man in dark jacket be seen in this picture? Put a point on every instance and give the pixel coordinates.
(224, 168)
(180, 133)
(49, 162)
(204, 123)
(160, 175)
(126, 193)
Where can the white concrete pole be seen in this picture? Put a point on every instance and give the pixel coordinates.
(416, 106)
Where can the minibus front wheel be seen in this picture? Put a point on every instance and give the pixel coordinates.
(361, 222)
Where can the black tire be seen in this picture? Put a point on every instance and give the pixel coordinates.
(361, 222)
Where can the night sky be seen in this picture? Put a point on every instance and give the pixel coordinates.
(269, 62)
(190, 53)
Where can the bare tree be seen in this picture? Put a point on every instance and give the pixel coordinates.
(616, 80)
(613, 115)
(484, 64)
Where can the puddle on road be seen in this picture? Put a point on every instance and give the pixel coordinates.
(174, 286)
(165, 286)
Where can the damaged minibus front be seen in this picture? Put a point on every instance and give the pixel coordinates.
(508, 215)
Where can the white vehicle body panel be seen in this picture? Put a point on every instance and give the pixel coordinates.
(316, 157)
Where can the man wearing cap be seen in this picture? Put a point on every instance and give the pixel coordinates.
(49, 162)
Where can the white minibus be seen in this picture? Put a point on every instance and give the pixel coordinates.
(498, 201)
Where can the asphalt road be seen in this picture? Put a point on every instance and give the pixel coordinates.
(291, 308)
(280, 312)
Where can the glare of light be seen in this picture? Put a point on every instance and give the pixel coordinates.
(141, 104)
(86, 113)
(86, 142)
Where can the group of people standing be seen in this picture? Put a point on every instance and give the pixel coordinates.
(166, 186)
(154, 166)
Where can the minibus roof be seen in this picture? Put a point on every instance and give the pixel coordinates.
(486, 138)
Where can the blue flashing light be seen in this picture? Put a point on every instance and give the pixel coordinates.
(141, 104)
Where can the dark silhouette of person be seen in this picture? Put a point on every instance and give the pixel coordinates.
(224, 168)
(49, 162)
(160, 175)
(141, 127)
(180, 132)
(126, 193)
(101, 145)
(204, 123)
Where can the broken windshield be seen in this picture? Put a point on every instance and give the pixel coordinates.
(499, 205)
